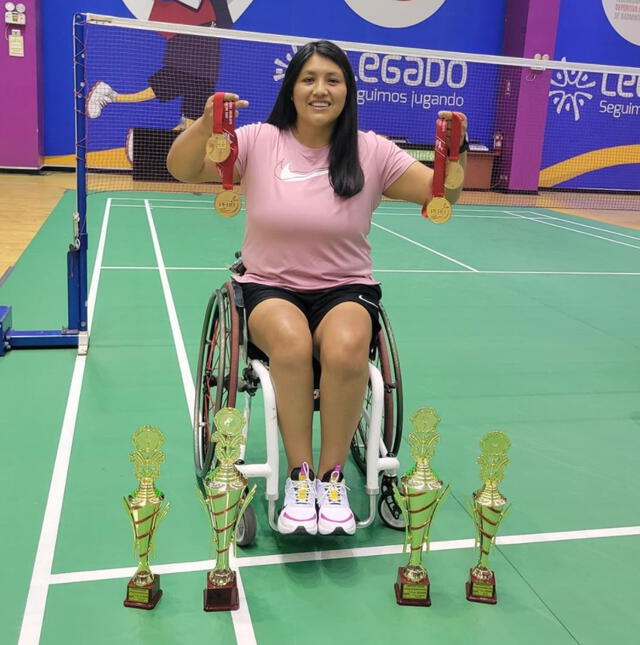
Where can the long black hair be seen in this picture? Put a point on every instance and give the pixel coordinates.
(345, 172)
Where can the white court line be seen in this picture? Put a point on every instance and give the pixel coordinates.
(595, 228)
(336, 554)
(198, 268)
(461, 215)
(161, 199)
(204, 206)
(573, 230)
(124, 268)
(422, 246)
(456, 215)
(39, 586)
(241, 618)
(456, 212)
(459, 271)
(130, 268)
(183, 362)
(410, 207)
(483, 272)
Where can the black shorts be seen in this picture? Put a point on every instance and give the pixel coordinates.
(313, 304)
(189, 71)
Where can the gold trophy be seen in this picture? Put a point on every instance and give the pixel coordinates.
(422, 491)
(145, 510)
(225, 499)
(489, 508)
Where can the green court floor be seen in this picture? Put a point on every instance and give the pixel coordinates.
(524, 321)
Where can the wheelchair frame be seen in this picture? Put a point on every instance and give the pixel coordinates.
(226, 371)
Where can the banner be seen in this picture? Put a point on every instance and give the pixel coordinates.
(451, 25)
(595, 116)
(397, 96)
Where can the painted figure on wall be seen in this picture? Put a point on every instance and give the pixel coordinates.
(190, 63)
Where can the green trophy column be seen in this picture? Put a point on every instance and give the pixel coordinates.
(421, 494)
(489, 508)
(225, 502)
(145, 510)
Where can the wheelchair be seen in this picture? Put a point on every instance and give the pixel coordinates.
(231, 370)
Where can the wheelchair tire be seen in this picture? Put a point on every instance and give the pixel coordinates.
(386, 360)
(247, 527)
(388, 509)
(217, 372)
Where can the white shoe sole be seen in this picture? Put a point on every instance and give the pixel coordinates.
(298, 528)
(336, 528)
(94, 111)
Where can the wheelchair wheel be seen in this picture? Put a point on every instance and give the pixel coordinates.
(247, 527)
(388, 508)
(385, 357)
(217, 372)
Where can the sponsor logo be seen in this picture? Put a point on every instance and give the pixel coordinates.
(571, 89)
(373, 304)
(570, 92)
(624, 18)
(395, 13)
(281, 65)
(284, 173)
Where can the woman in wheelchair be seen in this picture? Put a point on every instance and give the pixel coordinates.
(311, 182)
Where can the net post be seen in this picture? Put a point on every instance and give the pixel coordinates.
(75, 334)
(5, 325)
(77, 254)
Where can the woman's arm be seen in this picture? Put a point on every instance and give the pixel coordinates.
(414, 185)
(187, 160)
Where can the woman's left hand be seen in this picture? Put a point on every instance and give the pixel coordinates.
(448, 116)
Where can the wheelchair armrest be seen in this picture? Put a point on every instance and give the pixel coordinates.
(238, 266)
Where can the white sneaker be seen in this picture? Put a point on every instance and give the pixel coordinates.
(334, 514)
(100, 95)
(298, 515)
(128, 146)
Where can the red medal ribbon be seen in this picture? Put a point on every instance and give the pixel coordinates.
(229, 129)
(456, 136)
(218, 102)
(439, 162)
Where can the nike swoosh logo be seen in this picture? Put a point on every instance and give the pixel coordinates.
(373, 304)
(286, 174)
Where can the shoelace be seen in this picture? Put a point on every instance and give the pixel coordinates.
(301, 491)
(331, 493)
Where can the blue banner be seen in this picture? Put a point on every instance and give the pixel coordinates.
(451, 25)
(593, 121)
(398, 96)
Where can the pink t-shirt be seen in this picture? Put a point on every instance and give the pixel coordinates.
(299, 234)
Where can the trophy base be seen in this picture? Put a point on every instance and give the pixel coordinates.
(481, 589)
(143, 597)
(223, 598)
(409, 592)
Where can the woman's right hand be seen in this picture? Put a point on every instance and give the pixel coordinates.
(207, 114)
(187, 160)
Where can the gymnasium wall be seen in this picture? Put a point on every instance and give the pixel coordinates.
(598, 113)
(595, 117)
(457, 25)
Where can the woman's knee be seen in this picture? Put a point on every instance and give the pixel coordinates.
(290, 346)
(281, 331)
(346, 351)
(283, 342)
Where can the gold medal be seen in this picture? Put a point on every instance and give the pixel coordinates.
(439, 210)
(455, 175)
(218, 147)
(228, 203)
